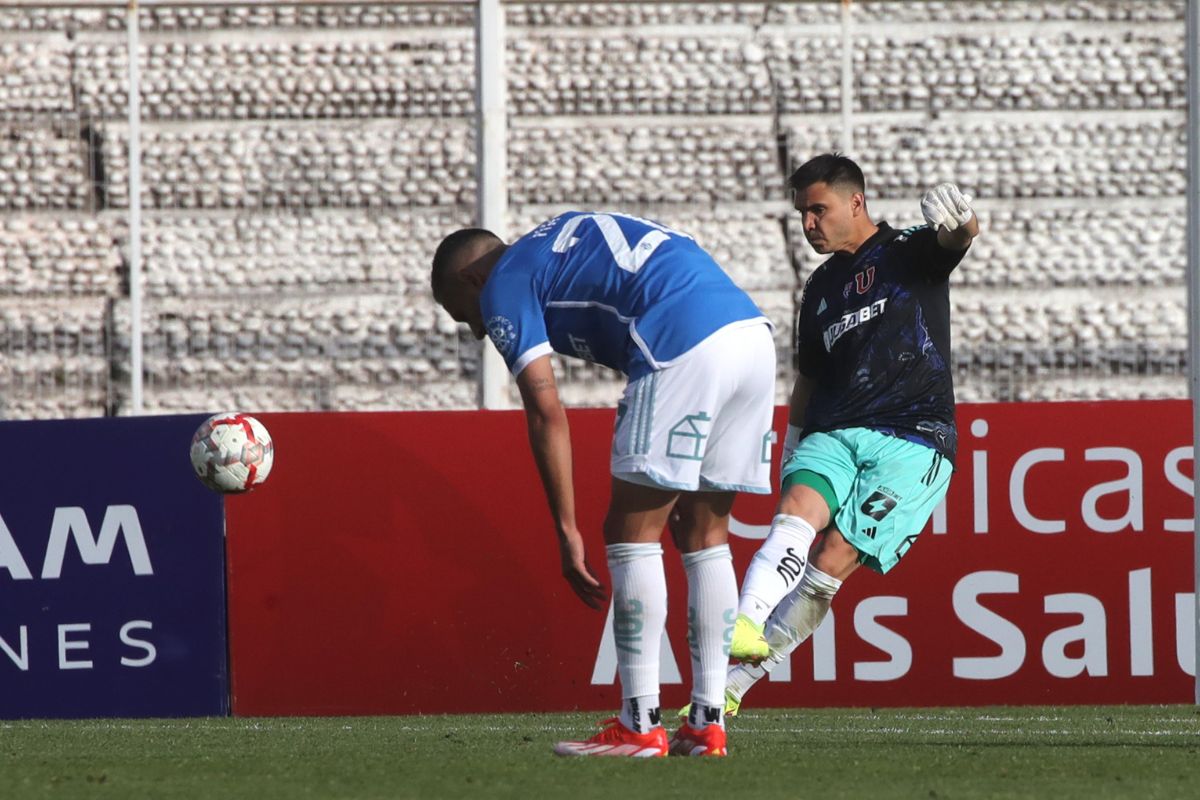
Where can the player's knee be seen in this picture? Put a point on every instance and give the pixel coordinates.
(807, 503)
(835, 556)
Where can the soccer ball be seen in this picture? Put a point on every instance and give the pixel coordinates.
(232, 452)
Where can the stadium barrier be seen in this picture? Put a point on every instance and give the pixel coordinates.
(403, 563)
(112, 572)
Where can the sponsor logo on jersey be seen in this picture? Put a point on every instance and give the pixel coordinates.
(503, 334)
(852, 320)
(581, 347)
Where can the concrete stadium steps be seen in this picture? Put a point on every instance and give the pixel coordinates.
(368, 339)
(1028, 246)
(585, 71)
(250, 254)
(54, 359)
(37, 77)
(322, 78)
(621, 162)
(1003, 156)
(297, 165)
(44, 164)
(61, 255)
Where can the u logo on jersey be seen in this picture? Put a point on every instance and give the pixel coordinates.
(863, 280)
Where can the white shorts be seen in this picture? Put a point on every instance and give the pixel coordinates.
(703, 423)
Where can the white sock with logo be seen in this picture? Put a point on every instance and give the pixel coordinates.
(798, 615)
(777, 567)
(712, 608)
(639, 616)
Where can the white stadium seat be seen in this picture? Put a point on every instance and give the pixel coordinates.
(300, 163)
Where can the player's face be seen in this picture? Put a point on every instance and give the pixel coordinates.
(460, 298)
(828, 214)
(461, 301)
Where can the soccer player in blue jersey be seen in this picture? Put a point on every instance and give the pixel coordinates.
(871, 437)
(693, 428)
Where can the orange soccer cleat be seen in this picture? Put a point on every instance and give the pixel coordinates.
(617, 740)
(706, 741)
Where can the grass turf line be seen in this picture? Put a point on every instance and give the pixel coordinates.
(1013, 752)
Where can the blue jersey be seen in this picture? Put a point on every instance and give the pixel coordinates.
(609, 288)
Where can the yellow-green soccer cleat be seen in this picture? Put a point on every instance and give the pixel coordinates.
(732, 704)
(748, 644)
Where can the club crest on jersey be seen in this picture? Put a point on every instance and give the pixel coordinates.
(863, 280)
(502, 333)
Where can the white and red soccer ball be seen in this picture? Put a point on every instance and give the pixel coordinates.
(232, 452)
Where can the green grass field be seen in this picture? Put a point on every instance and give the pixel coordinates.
(1094, 753)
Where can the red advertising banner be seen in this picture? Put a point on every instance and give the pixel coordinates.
(405, 562)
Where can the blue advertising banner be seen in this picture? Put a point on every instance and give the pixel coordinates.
(112, 578)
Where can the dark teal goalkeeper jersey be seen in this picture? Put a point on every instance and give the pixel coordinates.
(873, 333)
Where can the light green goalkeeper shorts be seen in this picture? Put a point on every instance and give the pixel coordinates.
(886, 488)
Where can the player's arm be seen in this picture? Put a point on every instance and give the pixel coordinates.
(801, 392)
(948, 211)
(806, 359)
(550, 440)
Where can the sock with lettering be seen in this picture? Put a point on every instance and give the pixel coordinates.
(712, 609)
(639, 596)
(776, 568)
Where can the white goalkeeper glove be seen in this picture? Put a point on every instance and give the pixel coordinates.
(790, 441)
(944, 206)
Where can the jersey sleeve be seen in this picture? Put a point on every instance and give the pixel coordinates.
(514, 320)
(808, 341)
(927, 259)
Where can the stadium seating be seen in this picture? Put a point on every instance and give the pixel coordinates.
(556, 75)
(37, 77)
(622, 165)
(814, 12)
(43, 166)
(325, 79)
(1078, 158)
(251, 16)
(300, 163)
(1028, 72)
(249, 255)
(55, 359)
(60, 255)
(378, 341)
(277, 165)
(1031, 248)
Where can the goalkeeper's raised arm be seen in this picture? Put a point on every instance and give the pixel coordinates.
(948, 211)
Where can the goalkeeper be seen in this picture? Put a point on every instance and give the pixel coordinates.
(871, 441)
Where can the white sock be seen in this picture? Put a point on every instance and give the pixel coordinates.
(741, 677)
(712, 608)
(798, 615)
(776, 568)
(639, 592)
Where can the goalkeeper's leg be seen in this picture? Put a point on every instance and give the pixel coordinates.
(801, 612)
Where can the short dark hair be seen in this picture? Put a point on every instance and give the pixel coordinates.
(834, 169)
(443, 257)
